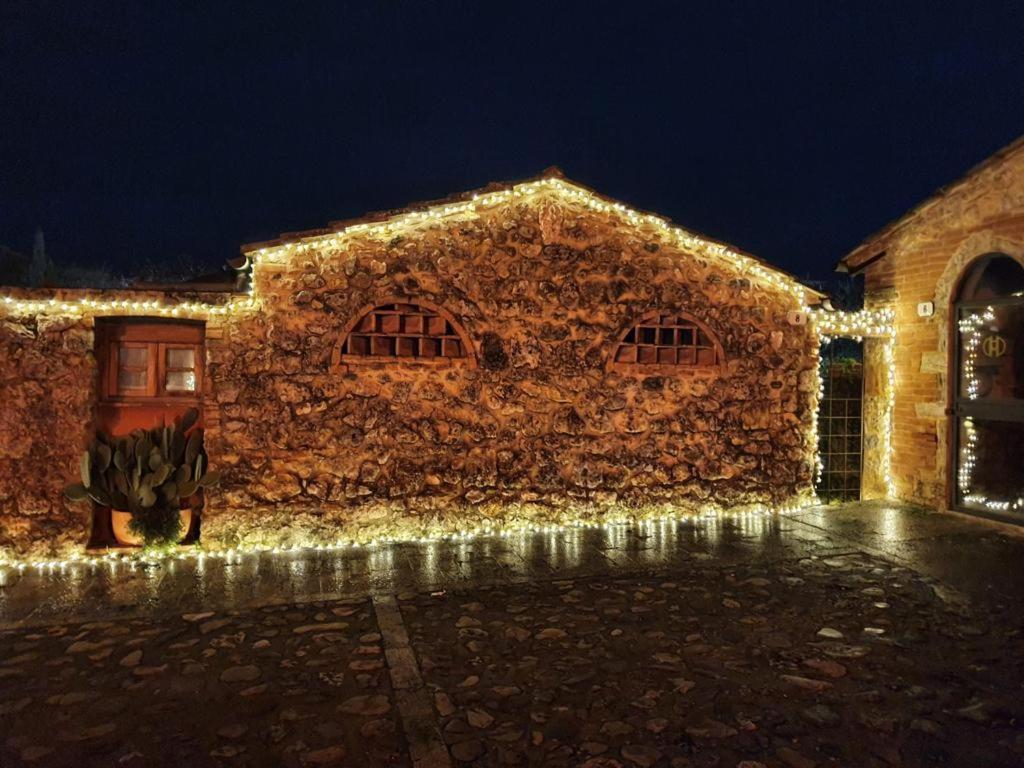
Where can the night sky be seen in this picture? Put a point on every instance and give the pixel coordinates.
(131, 134)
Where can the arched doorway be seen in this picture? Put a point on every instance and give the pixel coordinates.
(987, 383)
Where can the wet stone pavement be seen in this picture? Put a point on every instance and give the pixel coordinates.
(840, 661)
(281, 685)
(864, 635)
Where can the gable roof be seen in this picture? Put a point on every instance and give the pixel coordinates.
(872, 248)
(553, 180)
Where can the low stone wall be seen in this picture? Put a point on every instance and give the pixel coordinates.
(49, 386)
(540, 425)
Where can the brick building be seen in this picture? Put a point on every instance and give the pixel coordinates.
(952, 270)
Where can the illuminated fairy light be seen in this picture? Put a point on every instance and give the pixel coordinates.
(864, 323)
(568, 526)
(972, 329)
(818, 463)
(859, 325)
(682, 238)
(89, 306)
(745, 265)
(965, 475)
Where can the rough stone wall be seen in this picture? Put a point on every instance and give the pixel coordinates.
(48, 391)
(313, 453)
(47, 394)
(873, 483)
(924, 261)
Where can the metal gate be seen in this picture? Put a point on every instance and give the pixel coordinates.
(840, 420)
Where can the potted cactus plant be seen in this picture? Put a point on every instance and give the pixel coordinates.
(150, 480)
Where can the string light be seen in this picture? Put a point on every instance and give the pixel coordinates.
(685, 240)
(88, 306)
(483, 529)
(819, 464)
(864, 323)
(682, 238)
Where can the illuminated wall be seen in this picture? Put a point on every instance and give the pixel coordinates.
(543, 279)
(543, 286)
(924, 259)
(48, 383)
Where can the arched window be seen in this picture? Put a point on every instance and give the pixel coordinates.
(403, 331)
(991, 277)
(988, 402)
(669, 340)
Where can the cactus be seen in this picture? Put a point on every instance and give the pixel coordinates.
(147, 473)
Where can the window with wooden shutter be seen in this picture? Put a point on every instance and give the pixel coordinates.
(149, 360)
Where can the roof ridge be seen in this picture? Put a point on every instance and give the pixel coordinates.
(553, 176)
(944, 191)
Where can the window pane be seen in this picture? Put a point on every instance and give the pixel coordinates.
(131, 379)
(180, 381)
(991, 455)
(992, 353)
(181, 358)
(134, 357)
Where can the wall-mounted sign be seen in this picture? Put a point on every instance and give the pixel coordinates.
(993, 345)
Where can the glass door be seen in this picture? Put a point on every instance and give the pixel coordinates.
(988, 408)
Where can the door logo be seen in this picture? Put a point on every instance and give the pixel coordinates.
(994, 345)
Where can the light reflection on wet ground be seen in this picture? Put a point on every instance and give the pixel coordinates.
(974, 556)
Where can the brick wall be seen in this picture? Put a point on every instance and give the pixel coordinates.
(924, 261)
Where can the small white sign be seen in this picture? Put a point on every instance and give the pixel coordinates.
(925, 309)
(796, 317)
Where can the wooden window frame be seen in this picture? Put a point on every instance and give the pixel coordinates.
(114, 370)
(658, 347)
(403, 336)
(167, 369)
(157, 338)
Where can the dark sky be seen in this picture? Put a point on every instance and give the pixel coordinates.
(793, 130)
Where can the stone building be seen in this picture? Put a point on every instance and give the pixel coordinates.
(952, 271)
(522, 354)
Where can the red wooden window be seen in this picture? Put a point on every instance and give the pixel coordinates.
(180, 364)
(150, 360)
(404, 331)
(668, 339)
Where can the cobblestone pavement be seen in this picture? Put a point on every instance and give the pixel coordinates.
(287, 686)
(856, 636)
(838, 661)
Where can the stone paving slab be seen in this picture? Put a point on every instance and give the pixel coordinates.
(290, 686)
(840, 661)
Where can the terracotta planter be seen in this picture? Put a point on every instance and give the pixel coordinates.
(124, 536)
